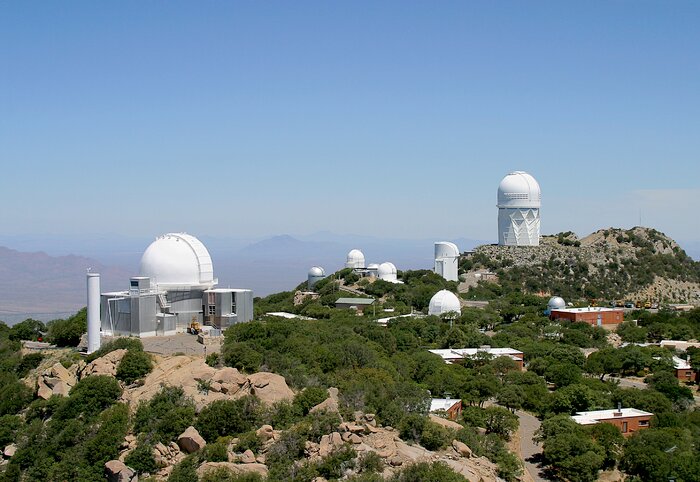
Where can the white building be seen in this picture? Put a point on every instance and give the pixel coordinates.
(444, 302)
(176, 287)
(355, 259)
(387, 272)
(316, 274)
(446, 260)
(519, 201)
(452, 355)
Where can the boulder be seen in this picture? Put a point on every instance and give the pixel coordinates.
(43, 391)
(265, 433)
(461, 448)
(61, 388)
(336, 439)
(355, 439)
(236, 469)
(330, 404)
(248, 457)
(105, 365)
(117, 471)
(190, 441)
(324, 448)
(62, 373)
(229, 375)
(10, 451)
(445, 423)
(270, 388)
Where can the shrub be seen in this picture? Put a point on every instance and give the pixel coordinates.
(424, 472)
(370, 462)
(213, 360)
(215, 452)
(435, 437)
(185, 471)
(134, 365)
(141, 459)
(166, 415)
(89, 397)
(9, 425)
(69, 331)
(222, 474)
(28, 329)
(27, 363)
(334, 465)
(242, 356)
(411, 427)
(308, 398)
(249, 441)
(228, 417)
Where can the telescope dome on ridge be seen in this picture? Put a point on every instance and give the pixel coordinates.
(178, 260)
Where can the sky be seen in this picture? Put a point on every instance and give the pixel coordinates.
(390, 119)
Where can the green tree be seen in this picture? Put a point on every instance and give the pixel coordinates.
(228, 417)
(134, 365)
(67, 332)
(28, 329)
(603, 362)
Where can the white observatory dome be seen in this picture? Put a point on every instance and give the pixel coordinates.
(444, 302)
(373, 266)
(519, 190)
(317, 271)
(178, 260)
(556, 303)
(387, 272)
(355, 259)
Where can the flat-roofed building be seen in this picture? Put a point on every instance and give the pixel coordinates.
(684, 371)
(593, 315)
(358, 304)
(628, 420)
(455, 355)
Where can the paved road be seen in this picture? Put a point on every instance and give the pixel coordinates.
(528, 426)
(180, 343)
(629, 383)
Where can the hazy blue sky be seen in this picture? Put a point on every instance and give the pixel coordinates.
(386, 118)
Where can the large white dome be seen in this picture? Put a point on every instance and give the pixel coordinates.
(444, 302)
(387, 272)
(519, 190)
(317, 271)
(355, 259)
(178, 260)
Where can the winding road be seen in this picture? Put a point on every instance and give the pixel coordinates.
(528, 426)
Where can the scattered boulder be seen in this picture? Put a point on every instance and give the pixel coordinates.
(330, 404)
(248, 457)
(270, 387)
(190, 441)
(445, 423)
(265, 433)
(105, 365)
(10, 451)
(56, 380)
(461, 448)
(117, 471)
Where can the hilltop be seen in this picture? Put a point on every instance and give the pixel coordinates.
(639, 264)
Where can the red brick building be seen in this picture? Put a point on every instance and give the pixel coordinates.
(684, 371)
(628, 420)
(592, 315)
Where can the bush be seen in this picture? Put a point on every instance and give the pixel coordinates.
(166, 415)
(427, 472)
(309, 398)
(249, 441)
(222, 474)
(214, 360)
(141, 459)
(242, 356)
(185, 471)
(28, 329)
(228, 417)
(27, 363)
(135, 364)
(411, 427)
(69, 331)
(9, 425)
(89, 397)
(435, 437)
(370, 462)
(215, 452)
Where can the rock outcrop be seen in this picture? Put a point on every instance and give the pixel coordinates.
(105, 365)
(56, 380)
(190, 441)
(270, 387)
(117, 471)
(330, 404)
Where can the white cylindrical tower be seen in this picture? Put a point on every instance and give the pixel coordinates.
(446, 260)
(519, 201)
(93, 312)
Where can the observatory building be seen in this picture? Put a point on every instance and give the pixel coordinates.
(387, 272)
(316, 274)
(444, 302)
(446, 260)
(555, 303)
(355, 259)
(519, 200)
(175, 287)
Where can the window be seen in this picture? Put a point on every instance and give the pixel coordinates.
(644, 423)
(212, 310)
(624, 427)
(233, 303)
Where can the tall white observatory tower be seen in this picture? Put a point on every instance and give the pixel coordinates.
(446, 260)
(93, 312)
(519, 200)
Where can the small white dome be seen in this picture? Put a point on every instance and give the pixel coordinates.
(444, 302)
(387, 272)
(373, 266)
(178, 260)
(317, 271)
(355, 259)
(519, 190)
(556, 303)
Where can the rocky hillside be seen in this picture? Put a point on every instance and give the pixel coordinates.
(639, 264)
